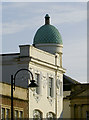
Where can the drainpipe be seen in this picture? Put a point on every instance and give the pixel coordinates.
(56, 86)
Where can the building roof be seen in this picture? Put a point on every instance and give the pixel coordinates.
(67, 79)
(68, 83)
(79, 90)
(47, 34)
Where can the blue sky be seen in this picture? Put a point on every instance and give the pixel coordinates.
(20, 21)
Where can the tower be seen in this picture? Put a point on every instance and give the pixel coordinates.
(48, 38)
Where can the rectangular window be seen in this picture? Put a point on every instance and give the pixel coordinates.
(2, 113)
(16, 114)
(20, 114)
(50, 87)
(7, 114)
(37, 77)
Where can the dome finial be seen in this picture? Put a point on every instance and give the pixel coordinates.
(47, 19)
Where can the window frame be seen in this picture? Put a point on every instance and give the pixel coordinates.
(22, 114)
(17, 114)
(51, 90)
(2, 116)
(19, 110)
(5, 107)
(37, 113)
(7, 115)
(37, 90)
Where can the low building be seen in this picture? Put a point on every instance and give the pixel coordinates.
(80, 101)
(76, 99)
(20, 101)
(67, 87)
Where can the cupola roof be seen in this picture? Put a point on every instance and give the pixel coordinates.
(47, 34)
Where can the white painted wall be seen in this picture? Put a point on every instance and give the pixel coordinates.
(42, 102)
(36, 61)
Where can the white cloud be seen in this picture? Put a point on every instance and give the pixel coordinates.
(12, 5)
(70, 17)
(59, 14)
(14, 27)
(65, 13)
(10, 28)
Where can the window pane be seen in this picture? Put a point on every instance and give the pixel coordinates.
(16, 114)
(3, 113)
(50, 82)
(37, 76)
(21, 114)
(50, 87)
(7, 114)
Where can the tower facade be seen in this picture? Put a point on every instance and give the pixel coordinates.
(48, 44)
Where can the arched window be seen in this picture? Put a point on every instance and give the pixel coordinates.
(50, 115)
(37, 114)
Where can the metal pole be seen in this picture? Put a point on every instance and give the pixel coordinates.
(11, 97)
(13, 87)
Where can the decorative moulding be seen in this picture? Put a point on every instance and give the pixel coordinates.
(50, 99)
(36, 96)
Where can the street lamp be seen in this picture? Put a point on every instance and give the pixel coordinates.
(32, 84)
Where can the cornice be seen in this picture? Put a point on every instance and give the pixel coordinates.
(15, 98)
(46, 64)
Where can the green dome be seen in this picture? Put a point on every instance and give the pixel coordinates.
(47, 34)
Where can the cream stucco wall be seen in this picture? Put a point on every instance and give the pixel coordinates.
(46, 68)
(46, 65)
(42, 102)
(20, 93)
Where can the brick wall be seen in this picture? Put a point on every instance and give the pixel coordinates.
(17, 103)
